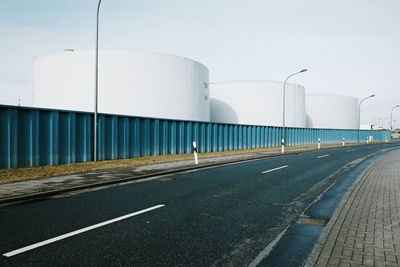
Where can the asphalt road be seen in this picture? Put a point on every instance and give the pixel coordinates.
(220, 216)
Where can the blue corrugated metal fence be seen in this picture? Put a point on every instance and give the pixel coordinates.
(33, 137)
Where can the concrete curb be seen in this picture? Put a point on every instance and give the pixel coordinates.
(50, 193)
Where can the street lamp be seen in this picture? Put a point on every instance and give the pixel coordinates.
(391, 117)
(284, 99)
(96, 87)
(359, 116)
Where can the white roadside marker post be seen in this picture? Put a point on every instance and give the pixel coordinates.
(196, 160)
(386, 139)
(283, 146)
(343, 141)
(367, 139)
(319, 143)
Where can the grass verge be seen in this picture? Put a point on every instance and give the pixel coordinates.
(27, 173)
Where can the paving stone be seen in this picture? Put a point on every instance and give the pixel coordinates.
(334, 260)
(357, 257)
(347, 252)
(368, 262)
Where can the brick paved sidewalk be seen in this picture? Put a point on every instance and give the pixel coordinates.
(367, 230)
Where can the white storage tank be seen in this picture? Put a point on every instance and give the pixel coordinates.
(332, 111)
(131, 82)
(257, 103)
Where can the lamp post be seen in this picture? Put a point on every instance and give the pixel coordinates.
(284, 99)
(391, 117)
(359, 116)
(96, 87)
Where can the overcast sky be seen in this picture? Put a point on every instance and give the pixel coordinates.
(350, 47)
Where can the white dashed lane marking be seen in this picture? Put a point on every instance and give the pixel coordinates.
(55, 239)
(275, 169)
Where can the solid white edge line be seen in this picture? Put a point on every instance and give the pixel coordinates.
(323, 156)
(275, 169)
(267, 250)
(54, 239)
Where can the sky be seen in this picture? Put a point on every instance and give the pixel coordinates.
(349, 47)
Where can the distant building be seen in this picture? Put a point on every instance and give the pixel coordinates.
(374, 127)
(396, 134)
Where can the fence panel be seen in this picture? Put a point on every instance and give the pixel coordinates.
(33, 136)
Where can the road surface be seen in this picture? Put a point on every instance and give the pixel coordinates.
(219, 216)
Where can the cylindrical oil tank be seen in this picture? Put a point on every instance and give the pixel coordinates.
(257, 103)
(131, 82)
(331, 111)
